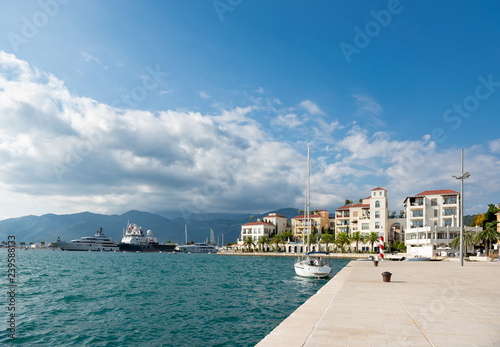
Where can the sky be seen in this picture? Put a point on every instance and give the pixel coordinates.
(209, 106)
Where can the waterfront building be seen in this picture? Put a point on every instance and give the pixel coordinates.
(432, 222)
(278, 220)
(320, 223)
(272, 224)
(371, 215)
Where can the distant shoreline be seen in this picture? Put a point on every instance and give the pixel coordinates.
(275, 254)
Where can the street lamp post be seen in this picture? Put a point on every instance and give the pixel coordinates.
(463, 177)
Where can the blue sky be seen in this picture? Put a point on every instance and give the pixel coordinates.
(108, 106)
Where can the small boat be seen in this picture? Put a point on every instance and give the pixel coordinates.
(198, 248)
(134, 240)
(313, 265)
(98, 242)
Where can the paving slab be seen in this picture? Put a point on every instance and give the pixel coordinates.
(425, 304)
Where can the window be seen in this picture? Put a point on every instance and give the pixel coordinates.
(374, 193)
(418, 213)
(435, 213)
(377, 225)
(417, 224)
(434, 202)
(450, 211)
(377, 214)
(365, 226)
(377, 203)
(447, 222)
(450, 200)
(380, 193)
(441, 236)
(354, 213)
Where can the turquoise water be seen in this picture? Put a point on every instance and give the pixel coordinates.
(150, 299)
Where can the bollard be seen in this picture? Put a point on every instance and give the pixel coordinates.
(386, 276)
(375, 263)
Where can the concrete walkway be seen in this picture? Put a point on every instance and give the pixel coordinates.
(425, 304)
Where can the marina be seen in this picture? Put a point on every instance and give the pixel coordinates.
(153, 299)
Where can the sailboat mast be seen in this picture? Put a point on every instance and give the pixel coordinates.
(186, 232)
(308, 196)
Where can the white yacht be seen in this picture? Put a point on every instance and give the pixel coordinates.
(310, 264)
(198, 248)
(98, 242)
(135, 240)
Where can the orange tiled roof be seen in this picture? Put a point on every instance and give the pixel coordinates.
(438, 192)
(346, 207)
(378, 188)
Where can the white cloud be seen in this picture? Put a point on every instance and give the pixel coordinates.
(289, 120)
(311, 107)
(62, 153)
(367, 104)
(260, 90)
(88, 57)
(204, 95)
(495, 146)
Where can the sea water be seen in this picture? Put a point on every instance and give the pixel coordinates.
(150, 299)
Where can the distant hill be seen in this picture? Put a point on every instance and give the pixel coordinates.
(49, 227)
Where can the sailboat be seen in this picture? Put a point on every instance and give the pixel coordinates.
(311, 264)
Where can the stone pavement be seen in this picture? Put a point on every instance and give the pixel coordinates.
(425, 304)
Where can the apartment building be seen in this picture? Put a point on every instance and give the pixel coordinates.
(320, 222)
(256, 230)
(371, 215)
(432, 221)
(277, 219)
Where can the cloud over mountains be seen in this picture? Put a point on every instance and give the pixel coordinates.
(65, 153)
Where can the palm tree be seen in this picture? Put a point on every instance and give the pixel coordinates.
(357, 237)
(276, 240)
(372, 238)
(342, 239)
(326, 239)
(249, 242)
(468, 240)
(489, 235)
(263, 240)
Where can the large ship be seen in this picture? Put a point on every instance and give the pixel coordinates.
(134, 240)
(198, 248)
(98, 242)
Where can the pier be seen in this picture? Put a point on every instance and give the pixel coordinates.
(424, 304)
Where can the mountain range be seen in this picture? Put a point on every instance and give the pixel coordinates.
(166, 226)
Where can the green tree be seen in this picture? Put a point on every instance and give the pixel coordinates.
(357, 237)
(468, 240)
(276, 240)
(401, 213)
(22, 243)
(393, 214)
(372, 238)
(42, 243)
(490, 216)
(286, 235)
(342, 239)
(251, 218)
(263, 240)
(489, 235)
(249, 242)
(348, 202)
(301, 211)
(327, 239)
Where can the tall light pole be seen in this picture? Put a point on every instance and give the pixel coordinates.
(463, 177)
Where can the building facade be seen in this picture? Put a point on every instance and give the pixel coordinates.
(371, 215)
(319, 223)
(432, 222)
(255, 230)
(278, 220)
